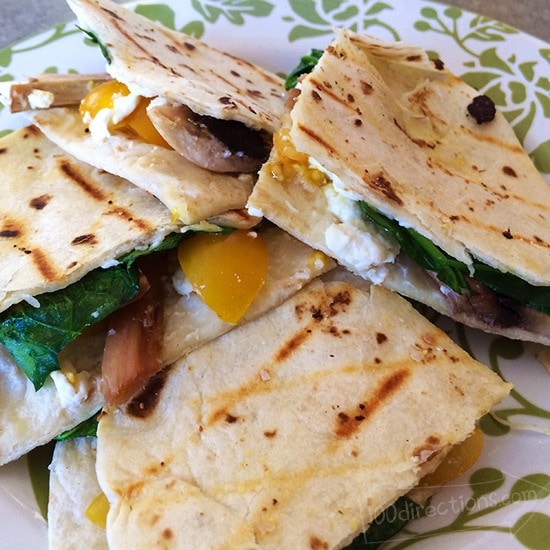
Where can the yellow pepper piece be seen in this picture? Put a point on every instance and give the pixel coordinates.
(227, 271)
(292, 161)
(103, 97)
(97, 510)
(459, 460)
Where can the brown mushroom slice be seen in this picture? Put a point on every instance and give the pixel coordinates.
(217, 145)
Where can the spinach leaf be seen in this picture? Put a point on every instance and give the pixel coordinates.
(387, 524)
(34, 336)
(420, 249)
(306, 65)
(453, 272)
(169, 242)
(87, 428)
(95, 40)
(535, 297)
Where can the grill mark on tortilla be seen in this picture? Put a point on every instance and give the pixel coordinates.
(44, 265)
(145, 402)
(11, 228)
(309, 132)
(38, 203)
(315, 543)
(73, 172)
(420, 142)
(491, 139)
(478, 220)
(136, 43)
(128, 216)
(347, 423)
(381, 185)
(434, 163)
(89, 238)
(327, 90)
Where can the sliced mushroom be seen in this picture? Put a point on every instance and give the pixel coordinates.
(218, 145)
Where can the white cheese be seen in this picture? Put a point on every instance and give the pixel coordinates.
(72, 388)
(40, 99)
(123, 105)
(359, 250)
(352, 240)
(181, 283)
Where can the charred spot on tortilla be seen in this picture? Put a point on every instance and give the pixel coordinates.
(39, 203)
(509, 171)
(89, 238)
(366, 88)
(10, 233)
(482, 108)
(145, 402)
(380, 183)
(73, 173)
(347, 423)
(438, 64)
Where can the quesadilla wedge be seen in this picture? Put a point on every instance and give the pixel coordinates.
(407, 186)
(345, 399)
(187, 122)
(75, 390)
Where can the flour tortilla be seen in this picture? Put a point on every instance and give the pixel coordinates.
(29, 418)
(61, 218)
(293, 430)
(396, 133)
(190, 193)
(154, 61)
(73, 487)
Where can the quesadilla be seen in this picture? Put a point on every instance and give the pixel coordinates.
(407, 176)
(187, 122)
(75, 391)
(345, 399)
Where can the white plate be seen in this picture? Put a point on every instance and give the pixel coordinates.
(504, 500)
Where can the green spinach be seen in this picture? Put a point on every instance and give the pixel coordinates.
(35, 335)
(306, 65)
(454, 273)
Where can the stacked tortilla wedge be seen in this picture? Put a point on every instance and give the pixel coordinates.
(293, 431)
(417, 187)
(178, 72)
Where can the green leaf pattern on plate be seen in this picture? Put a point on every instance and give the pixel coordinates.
(319, 18)
(486, 499)
(519, 85)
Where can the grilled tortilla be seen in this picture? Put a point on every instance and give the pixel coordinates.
(61, 218)
(73, 486)
(179, 72)
(292, 431)
(384, 125)
(29, 418)
(191, 193)
(154, 61)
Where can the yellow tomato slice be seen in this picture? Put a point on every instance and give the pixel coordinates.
(227, 271)
(103, 97)
(459, 460)
(140, 122)
(97, 510)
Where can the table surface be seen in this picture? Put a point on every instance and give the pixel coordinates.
(21, 18)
